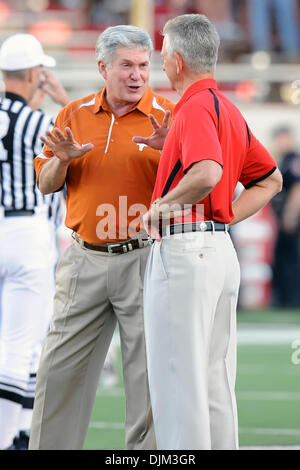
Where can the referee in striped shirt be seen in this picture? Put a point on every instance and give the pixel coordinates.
(27, 234)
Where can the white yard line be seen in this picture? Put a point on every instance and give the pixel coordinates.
(256, 431)
(248, 333)
(270, 431)
(268, 395)
(106, 425)
(241, 395)
(260, 369)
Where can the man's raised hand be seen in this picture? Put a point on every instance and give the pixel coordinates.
(64, 147)
(157, 138)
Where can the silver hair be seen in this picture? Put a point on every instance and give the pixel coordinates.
(196, 39)
(121, 36)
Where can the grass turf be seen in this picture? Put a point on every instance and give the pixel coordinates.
(268, 386)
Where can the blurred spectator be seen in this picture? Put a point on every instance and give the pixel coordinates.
(220, 12)
(166, 9)
(72, 4)
(109, 12)
(285, 13)
(286, 267)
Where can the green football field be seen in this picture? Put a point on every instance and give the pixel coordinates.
(268, 386)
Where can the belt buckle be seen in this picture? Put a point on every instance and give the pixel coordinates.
(78, 239)
(111, 246)
(203, 226)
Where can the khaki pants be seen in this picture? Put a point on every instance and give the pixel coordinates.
(191, 290)
(94, 291)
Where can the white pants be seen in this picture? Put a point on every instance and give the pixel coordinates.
(26, 291)
(190, 297)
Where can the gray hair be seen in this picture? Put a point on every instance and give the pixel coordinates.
(121, 36)
(196, 39)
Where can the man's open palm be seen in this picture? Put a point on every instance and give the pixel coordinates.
(65, 147)
(157, 138)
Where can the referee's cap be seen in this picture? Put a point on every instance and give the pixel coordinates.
(23, 51)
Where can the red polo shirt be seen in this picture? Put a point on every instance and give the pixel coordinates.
(207, 126)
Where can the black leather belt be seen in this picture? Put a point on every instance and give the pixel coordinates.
(194, 227)
(18, 213)
(114, 248)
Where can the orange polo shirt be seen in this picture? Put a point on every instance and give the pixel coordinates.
(110, 187)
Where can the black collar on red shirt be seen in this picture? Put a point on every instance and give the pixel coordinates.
(200, 85)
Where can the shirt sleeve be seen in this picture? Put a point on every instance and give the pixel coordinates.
(258, 164)
(46, 122)
(46, 153)
(199, 137)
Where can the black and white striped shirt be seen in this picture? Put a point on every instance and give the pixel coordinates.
(20, 131)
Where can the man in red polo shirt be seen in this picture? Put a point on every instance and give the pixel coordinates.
(192, 275)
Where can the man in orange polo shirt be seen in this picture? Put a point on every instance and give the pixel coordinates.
(109, 180)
